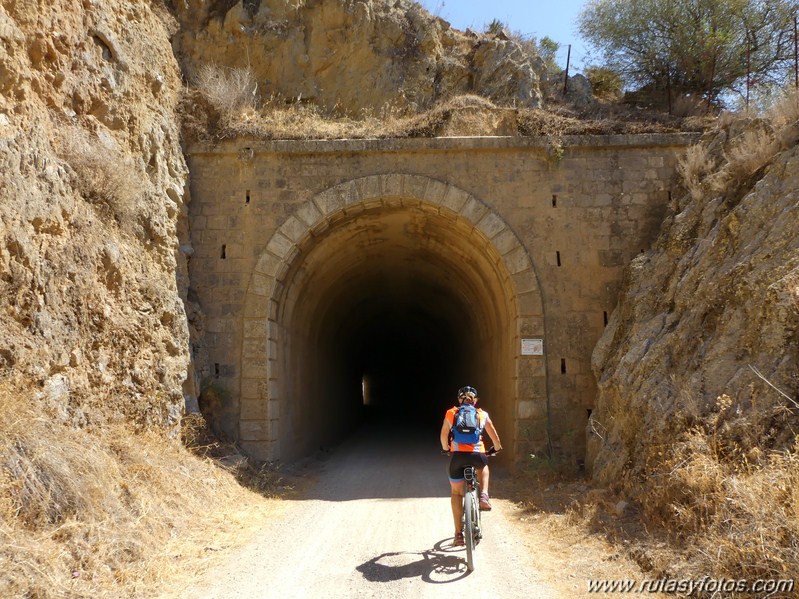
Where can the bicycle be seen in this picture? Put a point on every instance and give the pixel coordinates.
(472, 520)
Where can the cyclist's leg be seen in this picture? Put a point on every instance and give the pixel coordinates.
(484, 480)
(457, 488)
(456, 498)
(483, 477)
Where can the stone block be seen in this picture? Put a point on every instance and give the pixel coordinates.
(532, 366)
(525, 281)
(517, 260)
(257, 306)
(279, 245)
(531, 409)
(254, 409)
(252, 369)
(309, 214)
(491, 225)
(505, 241)
(254, 430)
(260, 450)
(455, 199)
(531, 326)
(254, 389)
(254, 328)
(294, 229)
(530, 304)
(329, 201)
(261, 284)
(253, 348)
(268, 264)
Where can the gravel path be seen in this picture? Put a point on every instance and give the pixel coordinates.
(377, 523)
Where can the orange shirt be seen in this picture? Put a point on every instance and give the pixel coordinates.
(479, 447)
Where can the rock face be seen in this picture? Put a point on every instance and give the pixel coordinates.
(354, 55)
(716, 298)
(92, 179)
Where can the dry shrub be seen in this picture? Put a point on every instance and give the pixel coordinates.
(103, 175)
(605, 83)
(747, 147)
(688, 106)
(231, 91)
(101, 513)
(748, 153)
(726, 496)
(693, 166)
(433, 122)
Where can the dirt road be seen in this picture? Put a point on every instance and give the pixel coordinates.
(376, 523)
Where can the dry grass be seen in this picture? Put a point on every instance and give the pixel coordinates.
(731, 504)
(693, 167)
(232, 92)
(105, 513)
(720, 500)
(748, 146)
(224, 104)
(103, 176)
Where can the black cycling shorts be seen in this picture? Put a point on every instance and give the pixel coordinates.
(460, 460)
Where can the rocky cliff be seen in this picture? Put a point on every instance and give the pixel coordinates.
(698, 369)
(355, 56)
(91, 179)
(714, 301)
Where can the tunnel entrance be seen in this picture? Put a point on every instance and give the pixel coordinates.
(389, 313)
(371, 302)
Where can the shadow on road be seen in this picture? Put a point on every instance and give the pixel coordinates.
(439, 565)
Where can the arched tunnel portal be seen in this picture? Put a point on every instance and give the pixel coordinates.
(384, 301)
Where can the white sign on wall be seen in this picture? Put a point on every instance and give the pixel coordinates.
(532, 347)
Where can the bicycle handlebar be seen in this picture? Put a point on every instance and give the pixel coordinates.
(489, 452)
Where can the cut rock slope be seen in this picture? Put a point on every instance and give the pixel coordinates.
(716, 299)
(92, 178)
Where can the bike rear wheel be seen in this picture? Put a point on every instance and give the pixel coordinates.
(469, 527)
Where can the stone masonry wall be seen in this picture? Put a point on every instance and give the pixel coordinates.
(582, 210)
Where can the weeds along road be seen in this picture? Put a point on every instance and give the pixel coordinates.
(377, 523)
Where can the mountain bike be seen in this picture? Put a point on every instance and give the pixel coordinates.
(472, 521)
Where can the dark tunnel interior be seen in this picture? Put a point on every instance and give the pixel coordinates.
(388, 315)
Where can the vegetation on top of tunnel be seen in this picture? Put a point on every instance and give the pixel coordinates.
(223, 103)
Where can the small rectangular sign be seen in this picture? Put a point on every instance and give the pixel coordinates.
(532, 347)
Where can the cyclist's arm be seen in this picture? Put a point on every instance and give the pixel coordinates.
(492, 432)
(445, 435)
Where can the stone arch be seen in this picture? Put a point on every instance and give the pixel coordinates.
(260, 387)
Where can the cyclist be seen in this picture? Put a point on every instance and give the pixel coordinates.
(467, 454)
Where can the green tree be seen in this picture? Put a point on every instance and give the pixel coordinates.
(692, 47)
(548, 49)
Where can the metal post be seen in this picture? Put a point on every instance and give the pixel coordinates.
(748, 73)
(566, 78)
(795, 56)
(668, 88)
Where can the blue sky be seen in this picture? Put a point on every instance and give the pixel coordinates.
(556, 19)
